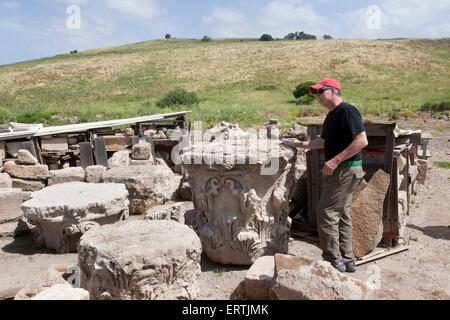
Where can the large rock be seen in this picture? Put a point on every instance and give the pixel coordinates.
(41, 283)
(5, 181)
(24, 157)
(241, 192)
(8, 229)
(422, 167)
(299, 278)
(119, 159)
(142, 151)
(37, 171)
(12, 148)
(141, 260)
(224, 131)
(94, 174)
(148, 186)
(10, 202)
(174, 211)
(64, 212)
(62, 292)
(259, 278)
(74, 174)
(367, 214)
(28, 185)
(142, 162)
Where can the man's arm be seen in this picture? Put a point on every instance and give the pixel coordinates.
(359, 142)
(315, 144)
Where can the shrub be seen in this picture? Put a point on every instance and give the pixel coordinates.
(206, 39)
(266, 37)
(327, 37)
(74, 52)
(45, 117)
(300, 36)
(305, 100)
(302, 89)
(168, 36)
(4, 115)
(436, 107)
(178, 97)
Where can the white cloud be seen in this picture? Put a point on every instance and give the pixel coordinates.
(227, 23)
(9, 4)
(425, 19)
(137, 8)
(281, 17)
(407, 18)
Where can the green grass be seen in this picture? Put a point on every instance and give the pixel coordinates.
(241, 81)
(442, 164)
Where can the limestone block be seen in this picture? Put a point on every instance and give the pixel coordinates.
(37, 171)
(141, 260)
(94, 174)
(259, 278)
(299, 278)
(5, 181)
(24, 157)
(142, 151)
(74, 174)
(120, 159)
(10, 202)
(28, 185)
(242, 198)
(148, 186)
(367, 214)
(64, 212)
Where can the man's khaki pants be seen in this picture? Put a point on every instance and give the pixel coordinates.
(333, 214)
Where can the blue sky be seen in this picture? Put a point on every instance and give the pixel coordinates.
(38, 28)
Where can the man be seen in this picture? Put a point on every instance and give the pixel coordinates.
(343, 138)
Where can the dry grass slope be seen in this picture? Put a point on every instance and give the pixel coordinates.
(127, 81)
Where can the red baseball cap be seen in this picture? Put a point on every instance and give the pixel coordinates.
(327, 82)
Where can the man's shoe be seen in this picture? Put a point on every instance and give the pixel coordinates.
(340, 266)
(350, 266)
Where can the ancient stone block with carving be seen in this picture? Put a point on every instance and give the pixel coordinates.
(64, 212)
(242, 205)
(141, 260)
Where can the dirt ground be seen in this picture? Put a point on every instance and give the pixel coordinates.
(422, 272)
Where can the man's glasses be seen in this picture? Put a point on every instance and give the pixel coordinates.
(322, 90)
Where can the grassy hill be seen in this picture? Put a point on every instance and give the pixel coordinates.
(236, 80)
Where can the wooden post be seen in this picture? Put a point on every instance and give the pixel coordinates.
(101, 157)
(86, 156)
(313, 179)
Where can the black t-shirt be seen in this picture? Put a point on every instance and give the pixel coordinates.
(340, 127)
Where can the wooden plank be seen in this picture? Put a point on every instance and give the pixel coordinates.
(84, 127)
(392, 217)
(86, 154)
(38, 150)
(117, 143)
(101, 157)
(382, 255)
(313, 132)
(390, 141)
(56, 144)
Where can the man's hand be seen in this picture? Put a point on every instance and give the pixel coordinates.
(329, 167)
(292, 144)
